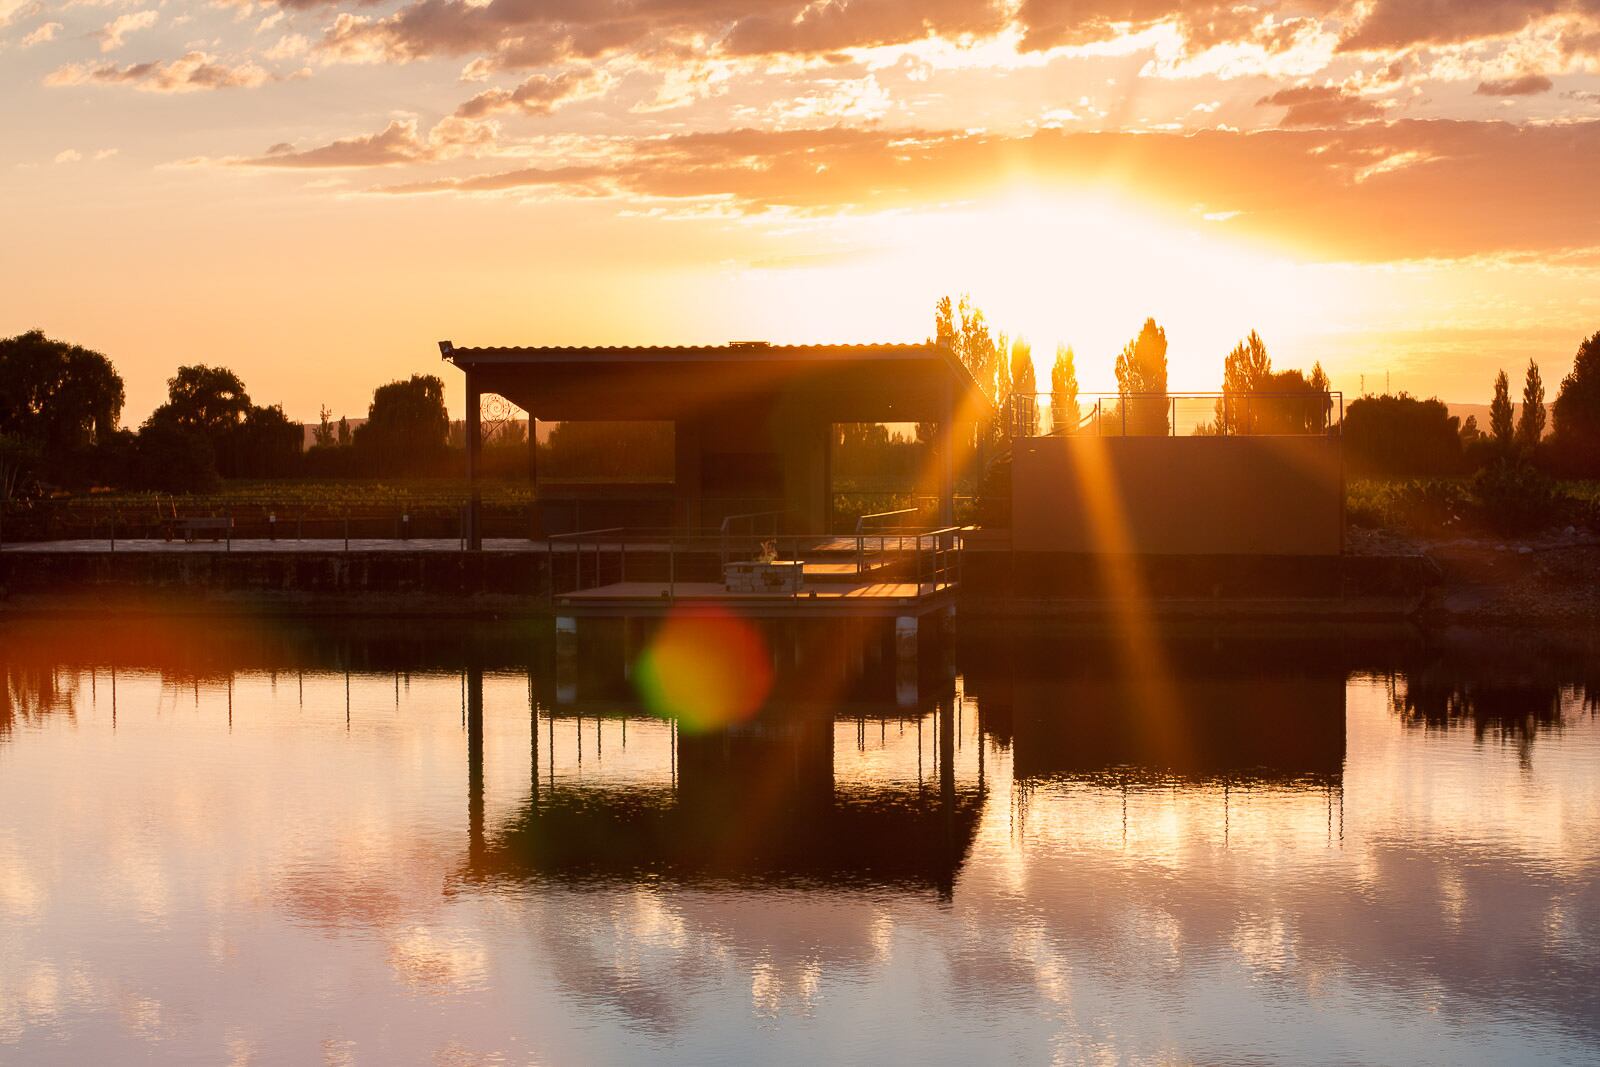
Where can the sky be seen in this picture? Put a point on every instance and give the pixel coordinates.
(315, 193)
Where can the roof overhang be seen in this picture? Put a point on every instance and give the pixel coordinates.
(868, 382)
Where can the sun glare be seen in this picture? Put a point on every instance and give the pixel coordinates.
(1081, 268)
(1088, 271)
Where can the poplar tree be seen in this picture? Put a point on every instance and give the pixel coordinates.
(1530, 425)
(1500, 412)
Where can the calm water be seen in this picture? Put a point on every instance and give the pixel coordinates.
(280, 843)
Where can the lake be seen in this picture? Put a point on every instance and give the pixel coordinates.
(444, 842)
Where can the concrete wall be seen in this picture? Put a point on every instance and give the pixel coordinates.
(1177, 495)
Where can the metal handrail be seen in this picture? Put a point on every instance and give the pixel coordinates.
(727, 532)
(861, 536)
(1323, 413)
(936, 554)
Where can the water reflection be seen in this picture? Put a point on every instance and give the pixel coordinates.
(1498, 685)
(302, 841)
(756, 802)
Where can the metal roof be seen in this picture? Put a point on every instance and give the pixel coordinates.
(739, 349)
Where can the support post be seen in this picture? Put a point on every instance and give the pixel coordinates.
(474, 433)
(566, 660)
(905, 665)
(947, 467)
(475, 838)
(535, 528)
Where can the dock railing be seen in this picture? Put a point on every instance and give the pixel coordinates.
(739, 531)
(869, 527)
(590, 559)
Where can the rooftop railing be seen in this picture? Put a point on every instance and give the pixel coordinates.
(1223, 414)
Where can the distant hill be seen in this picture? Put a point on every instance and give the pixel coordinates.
(1477, 411)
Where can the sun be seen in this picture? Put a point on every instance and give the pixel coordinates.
(1052, 265)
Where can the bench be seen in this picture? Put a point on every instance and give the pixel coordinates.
(214, 527)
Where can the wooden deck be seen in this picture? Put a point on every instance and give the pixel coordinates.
(834, 599)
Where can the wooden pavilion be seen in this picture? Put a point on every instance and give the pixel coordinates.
(752, 422)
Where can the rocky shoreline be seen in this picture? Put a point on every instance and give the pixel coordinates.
(1551, 577)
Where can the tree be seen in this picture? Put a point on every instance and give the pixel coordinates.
(19, 460)
(1245, 370)
(1530, 425)
(58, 396)
(173, 458)
(211, 400)
(344, 431)
(1401, 435)
(1324, 390)
(1577, 412)
(1142, 379)
(962, 328)
(1024, 390)
(406, 425)
(323, 434)
(265, 445)
(1064, 413)
(247, 441)
(1500, 412)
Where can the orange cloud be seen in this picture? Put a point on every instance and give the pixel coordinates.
(1321, 105)
(1357, 193)
(399, 142)
(539, 95)
(1393, 25)
(1525, 85)
(192, 72)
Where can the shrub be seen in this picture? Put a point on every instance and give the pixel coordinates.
(1425, 505)
(1516, 497)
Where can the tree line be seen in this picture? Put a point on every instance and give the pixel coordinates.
(1385, 436)
(1254, 397)
(1408, 437)
(60, 406)
(61, 403)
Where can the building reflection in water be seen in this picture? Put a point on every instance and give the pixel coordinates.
(761, 802)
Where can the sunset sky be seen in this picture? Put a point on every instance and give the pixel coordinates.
(314, 193)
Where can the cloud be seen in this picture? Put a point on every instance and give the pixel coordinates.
(1523, 85)
(68, 155)
(111, 37)
(399, 142)
(46, 32)
(519, 35)
(17, 10)
(812, 28)
(1394, 25)
(1321, 105)
(1273, 26)
(288, 46)
(539, 95)
(1378, 191)
(192, 72)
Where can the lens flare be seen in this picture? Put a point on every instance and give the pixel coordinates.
(707, 669)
